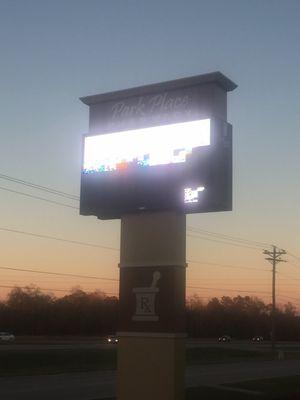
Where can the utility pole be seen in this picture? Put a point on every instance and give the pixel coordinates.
(274, 258)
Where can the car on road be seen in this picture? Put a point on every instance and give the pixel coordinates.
(257, 339)
(112, 339)
(224, 338)
(6, 337)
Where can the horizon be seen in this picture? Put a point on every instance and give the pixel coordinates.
(53, 54)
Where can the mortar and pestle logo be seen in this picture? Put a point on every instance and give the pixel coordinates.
(145, 300)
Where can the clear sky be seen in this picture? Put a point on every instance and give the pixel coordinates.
(53, 52)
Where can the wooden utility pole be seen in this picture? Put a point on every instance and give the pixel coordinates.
(274, 258)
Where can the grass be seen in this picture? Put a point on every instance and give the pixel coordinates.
(205, 393)
(32, 362)
(212, 355)
(275, 388)
(52, 361)
(286, 388)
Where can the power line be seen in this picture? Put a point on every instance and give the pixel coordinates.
(227, 237)
(28, 287)
(58, 239)
(38, 198)
(114, 294)
(78, 242)
(288, 297)
(39, 187)
(229, 290)
(113, 248)
(77, 208)
(104, 292)
(224, 242)
(291, 262)
(74, 197)
(58, 274)
(227, 266)
(116, 280)
(18, 269)
(67, 205)
(293, 255)
(45, 289)
(287, 277)
(110, 279)
(37, 283)
(233, 284)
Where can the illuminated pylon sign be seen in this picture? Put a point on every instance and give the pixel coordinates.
(146, 144)
(153, 154)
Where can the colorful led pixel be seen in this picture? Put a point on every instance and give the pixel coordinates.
(158, 145)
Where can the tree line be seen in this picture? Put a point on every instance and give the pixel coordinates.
(32, 312)
(241, 317)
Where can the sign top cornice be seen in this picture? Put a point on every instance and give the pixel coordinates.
(211, 78)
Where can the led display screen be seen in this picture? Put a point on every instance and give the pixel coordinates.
(158, 145)
(183, 166)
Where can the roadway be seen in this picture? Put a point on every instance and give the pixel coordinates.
(101, 344)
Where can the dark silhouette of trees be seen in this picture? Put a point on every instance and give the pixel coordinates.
(240, 317)
(32, 312)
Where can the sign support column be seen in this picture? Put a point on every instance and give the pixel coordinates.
(151, 349)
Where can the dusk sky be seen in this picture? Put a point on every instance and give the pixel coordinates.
(53, 52)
